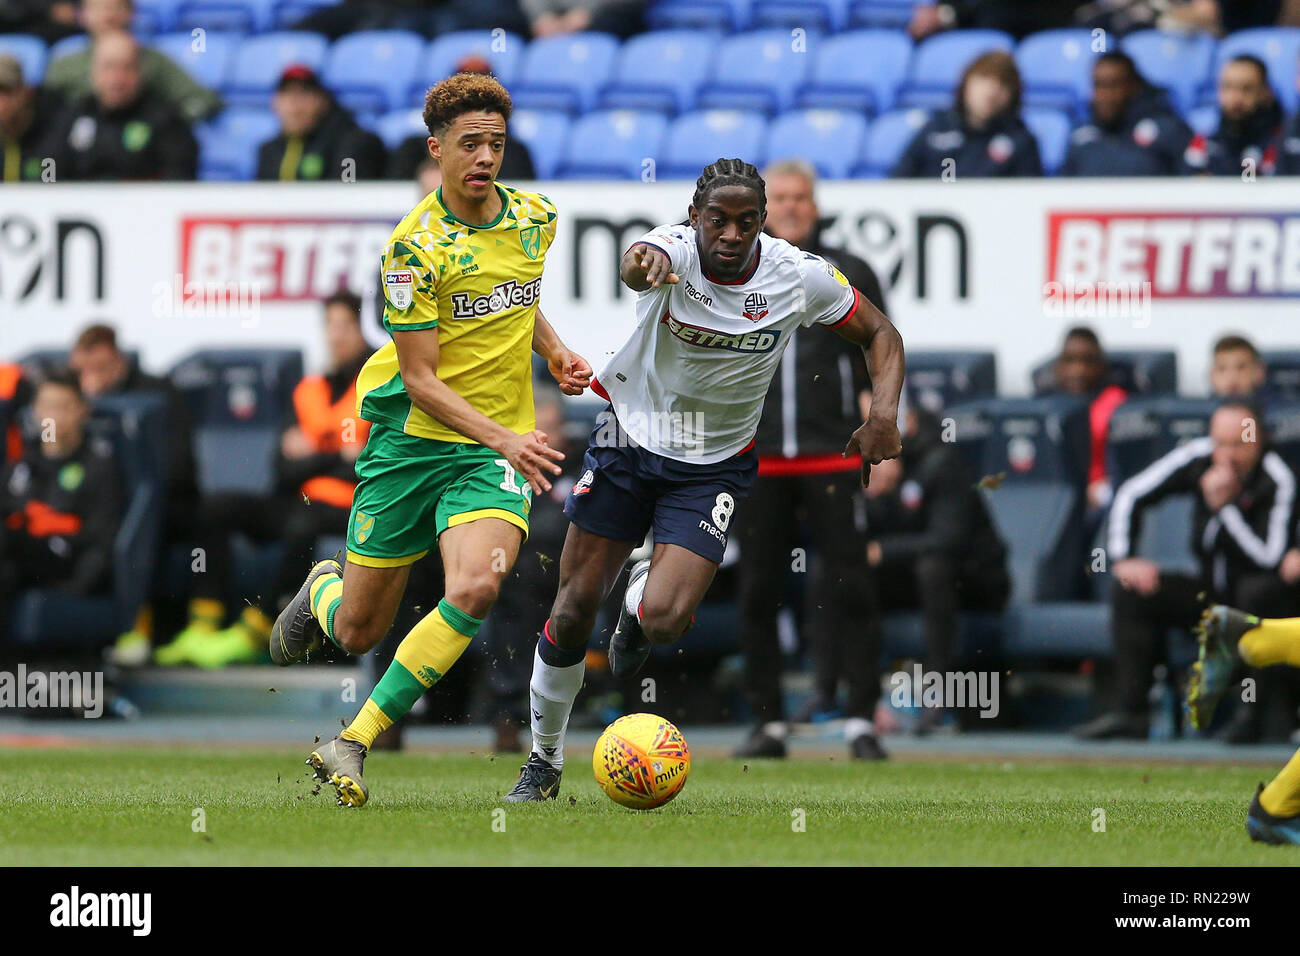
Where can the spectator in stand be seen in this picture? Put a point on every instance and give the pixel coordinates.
(16, 393)
(1238, 371)
(1132, 129)
(982, 134)
(623, 18)
(806, 487)
(61, 503)
(120, 130)
(1220, 16)
(103, 369)
(319, 139)
(51, 20)
(933, 545)
(24, 123)
(412, 154)
(1244, 520)
(1082, 369)
(69, 76)
(1017, 17)
(316, 471)
(1250, 120)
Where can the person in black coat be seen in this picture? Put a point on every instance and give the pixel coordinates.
(120, 131)
(318, 139)
(807, 493)
(1249, 122)
(1132, 130)
(981, 134)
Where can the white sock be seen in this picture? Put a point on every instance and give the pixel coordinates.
(855, 727)
(635, 591)
(777, 728)
(552, 692)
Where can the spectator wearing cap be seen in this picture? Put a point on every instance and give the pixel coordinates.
(319, 139)
(69, 76)
(1131, 129)
(120, 130)
(1249, 122)
(24, 123)
(982, 134)
(411, 157)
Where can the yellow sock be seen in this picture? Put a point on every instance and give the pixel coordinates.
(326, 596)
(424, 655)
(1282, 797)
(1275, 641)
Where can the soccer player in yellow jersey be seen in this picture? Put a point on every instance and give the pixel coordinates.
(1226, 634)
(454, 455)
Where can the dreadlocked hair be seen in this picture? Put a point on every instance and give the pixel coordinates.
(729, 172)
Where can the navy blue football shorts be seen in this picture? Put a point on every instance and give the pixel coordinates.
(626, 491)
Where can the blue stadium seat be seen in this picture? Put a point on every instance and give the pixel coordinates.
(544, 132)
(242, 16)
(1278, 47)
(614, 144)
(861, 70)
(399, 125)
(697, 139)
(1027, 440)
(209, 63)
(761, 70)
(239, 399)
(1138, 371)
(1144, 428)
(287, 13)
(565, 72)
(1039, 523)
(228, 145)
(29, 51)
(135, 427)
(504, 52)
(660, 70)
(884, 14)
(260, 60)
(68, 46)
(154, 17)
(1282, 372)
(722, 16)
(829, 139)
(1177, 62)
(938, 62)
(1056, 69)
(1060, 630)
(888, 137)
(1051, 128)
(1203, 119)
(1283, 422)
(940, 379)
(822, 16)
(372, 70)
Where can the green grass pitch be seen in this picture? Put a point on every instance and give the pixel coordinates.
(138, 807)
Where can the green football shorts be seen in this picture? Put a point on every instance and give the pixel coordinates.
(411, 489)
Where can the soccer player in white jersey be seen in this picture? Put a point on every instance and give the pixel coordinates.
(717, 303)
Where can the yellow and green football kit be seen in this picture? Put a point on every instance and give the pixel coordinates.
(478, 286)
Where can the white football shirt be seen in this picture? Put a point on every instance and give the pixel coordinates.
(690, 382)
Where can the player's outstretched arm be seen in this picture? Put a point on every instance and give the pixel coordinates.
(529, 455)
(569, 369)
(644, 266)
(878, 437)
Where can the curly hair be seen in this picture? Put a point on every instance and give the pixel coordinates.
(463, 93)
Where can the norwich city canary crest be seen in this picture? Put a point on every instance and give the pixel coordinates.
(531, 240)
(363, 526)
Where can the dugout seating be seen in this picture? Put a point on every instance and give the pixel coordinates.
(1282, 373)
(1278, 47)
(1137, 371)
(938, 379)
(239, 399)
(135, 426)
